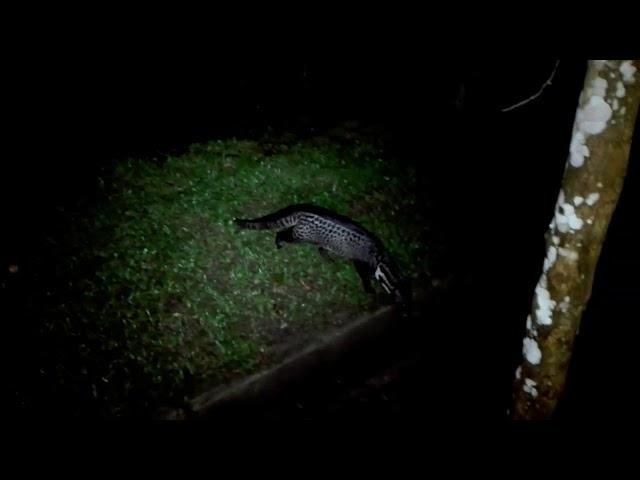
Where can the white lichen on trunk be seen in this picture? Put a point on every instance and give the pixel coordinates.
(545, 304)
(566, 219)
(565, 304)
(592, 198)
(596, 164)
(529, 387)
(531, 351)
(593, 114)
(568, 253)
(628, 71)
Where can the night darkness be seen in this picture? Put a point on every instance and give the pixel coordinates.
(491, 179)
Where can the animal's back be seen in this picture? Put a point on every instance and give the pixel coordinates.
(322, 227)
(343, 238)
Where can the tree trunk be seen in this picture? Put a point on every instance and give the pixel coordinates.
(591, 186)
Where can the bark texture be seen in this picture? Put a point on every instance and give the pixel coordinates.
(592, 182)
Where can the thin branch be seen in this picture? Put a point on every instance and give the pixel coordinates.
(533, 97)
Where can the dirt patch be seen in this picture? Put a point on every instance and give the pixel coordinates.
(282, 340)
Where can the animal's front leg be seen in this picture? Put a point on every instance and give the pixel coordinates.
(284, 236)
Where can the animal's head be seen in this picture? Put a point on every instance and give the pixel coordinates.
(392, 281)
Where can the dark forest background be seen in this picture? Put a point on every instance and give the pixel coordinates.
(71, 107)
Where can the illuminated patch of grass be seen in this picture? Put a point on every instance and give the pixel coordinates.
(173, 295)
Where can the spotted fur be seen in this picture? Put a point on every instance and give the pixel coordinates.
(340, 236)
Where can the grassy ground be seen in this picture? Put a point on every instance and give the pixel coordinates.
(164, 295)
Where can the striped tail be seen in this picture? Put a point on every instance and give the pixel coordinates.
(285, 218)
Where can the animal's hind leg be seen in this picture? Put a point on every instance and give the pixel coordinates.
(365, 272)
(284, 236)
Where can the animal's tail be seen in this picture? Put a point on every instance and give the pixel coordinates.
(285, 218)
